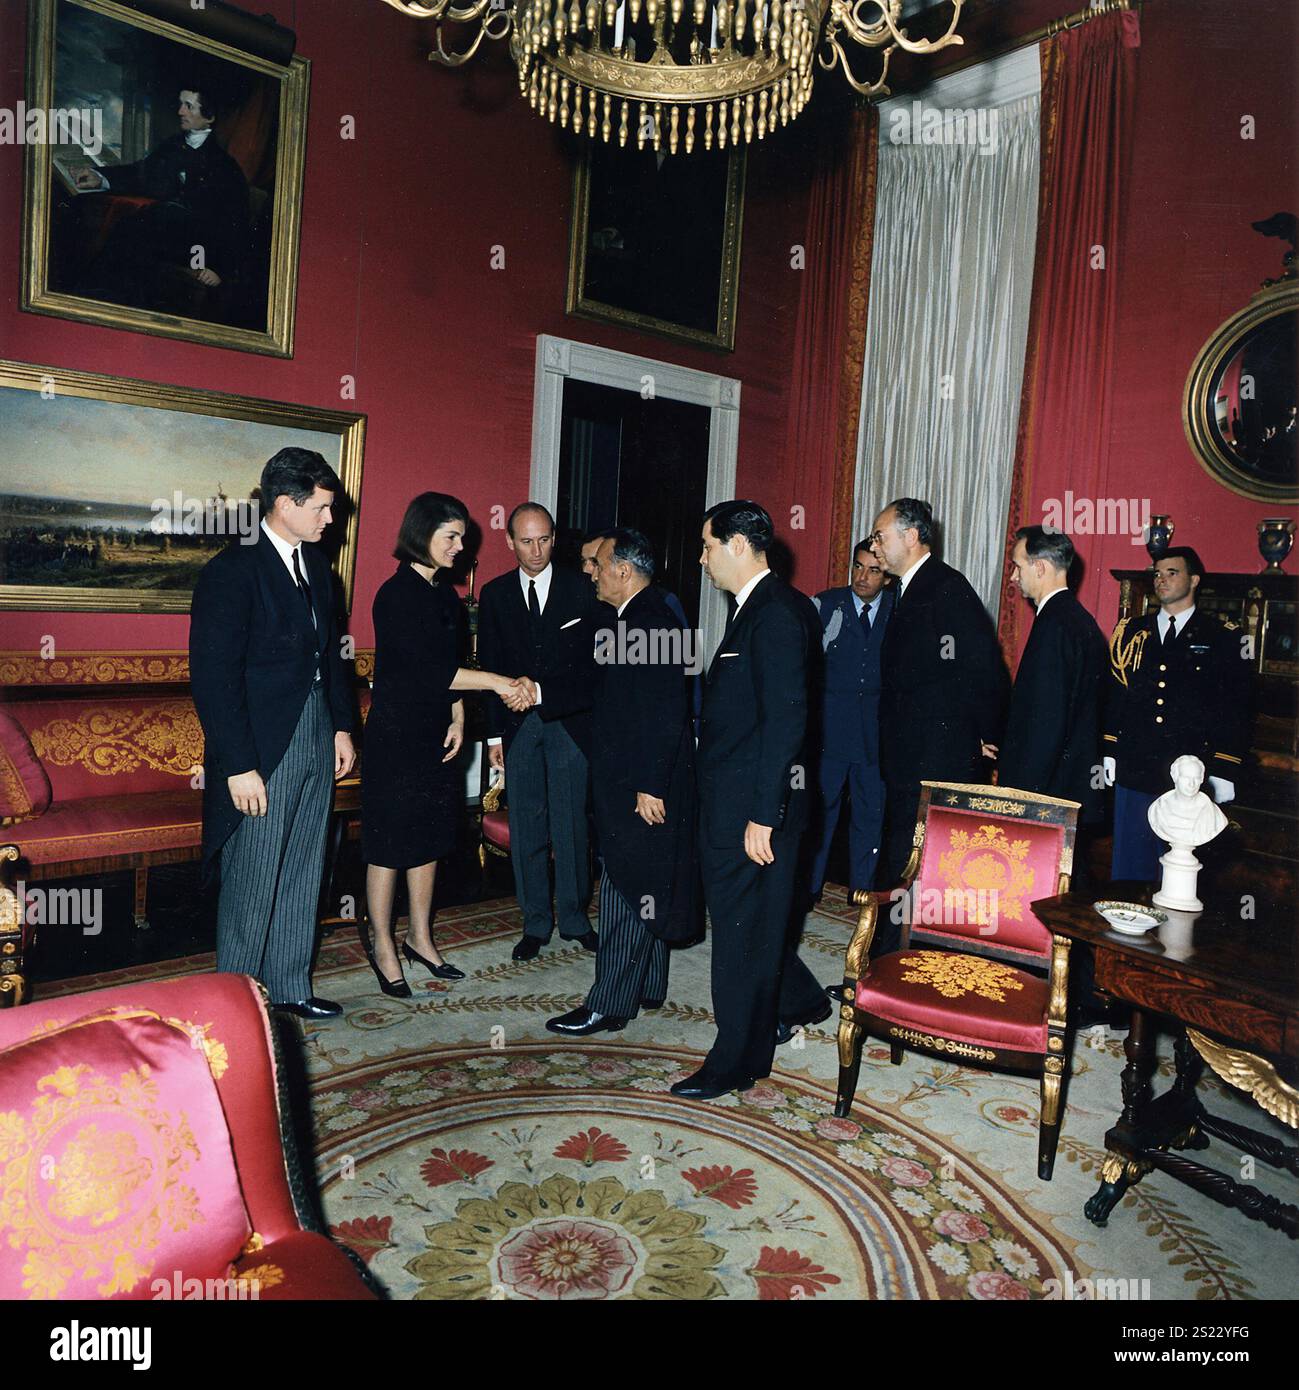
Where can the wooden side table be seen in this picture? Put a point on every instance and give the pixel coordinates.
(1223, 971)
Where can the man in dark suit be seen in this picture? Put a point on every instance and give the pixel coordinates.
(943, 684)
(853, 621)
(1179, 683)
(752, 764)
(1053, 730)
(271, 693)
(642, 782)
(541, 621)
(199, 204)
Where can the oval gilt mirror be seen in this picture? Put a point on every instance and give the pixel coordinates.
(1239, 408)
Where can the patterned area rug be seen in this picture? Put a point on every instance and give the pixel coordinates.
(464, 1152)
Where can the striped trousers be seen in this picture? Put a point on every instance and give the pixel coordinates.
(272, 865)
(631, 963)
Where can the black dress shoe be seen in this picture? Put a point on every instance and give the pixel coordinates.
(443, 971)
(702, 1086)
(590, 941)
(310, 1008)
(785, 1031)
(527, 948)
(580, 1022)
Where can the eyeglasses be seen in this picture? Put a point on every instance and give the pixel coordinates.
(874, 538)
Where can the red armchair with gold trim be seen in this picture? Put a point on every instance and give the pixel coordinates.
(493, 824)
(161, 1110)
(995, 991)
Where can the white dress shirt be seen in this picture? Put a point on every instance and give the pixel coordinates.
(910, 575)
(1178, 620)
(749, 588)
(286, 552)
(542, 582)
(1046, 598)
(874, 605)
(626, 601)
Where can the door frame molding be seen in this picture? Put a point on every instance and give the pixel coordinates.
(562, 358)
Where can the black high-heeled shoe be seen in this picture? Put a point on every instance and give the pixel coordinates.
(394, 989)
(443, 971)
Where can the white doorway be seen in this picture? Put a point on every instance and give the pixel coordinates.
(563, 359)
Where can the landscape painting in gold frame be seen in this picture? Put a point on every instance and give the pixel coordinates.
(114, 493)
(106, 237)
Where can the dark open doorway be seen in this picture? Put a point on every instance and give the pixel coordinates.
(628, 461)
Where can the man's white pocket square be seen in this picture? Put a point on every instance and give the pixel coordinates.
(726, 654)
(569, 623)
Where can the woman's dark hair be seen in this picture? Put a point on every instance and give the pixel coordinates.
(425, 514)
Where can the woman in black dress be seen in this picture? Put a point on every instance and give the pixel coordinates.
(411, 793)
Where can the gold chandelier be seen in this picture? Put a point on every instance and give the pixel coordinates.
(676, 73)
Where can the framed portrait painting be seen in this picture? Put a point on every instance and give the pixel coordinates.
(163, 192)
(654, 243)
(114, 493)
(1279, 639)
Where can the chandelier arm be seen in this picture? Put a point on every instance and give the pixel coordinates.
(865, 89)
(416, 10)
(455, 59)
(466, 14)
(869, 34)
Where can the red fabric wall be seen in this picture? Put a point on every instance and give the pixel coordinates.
(1189, 260)
(395, 287)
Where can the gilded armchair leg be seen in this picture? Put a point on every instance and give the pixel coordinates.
(850, 1041)
(12, 983)
(1048, 1133)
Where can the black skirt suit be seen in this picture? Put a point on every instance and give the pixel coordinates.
(410, 799)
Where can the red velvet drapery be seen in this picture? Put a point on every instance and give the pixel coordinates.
(830, 336)
(1088, 85)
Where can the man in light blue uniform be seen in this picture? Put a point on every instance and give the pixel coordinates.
(853, 620)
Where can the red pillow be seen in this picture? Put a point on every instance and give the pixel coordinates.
(115, 1162)
(24, 783)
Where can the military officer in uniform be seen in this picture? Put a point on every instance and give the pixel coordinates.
(1179, 684)
(852, 637)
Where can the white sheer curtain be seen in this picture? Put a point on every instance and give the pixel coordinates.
(951, 280)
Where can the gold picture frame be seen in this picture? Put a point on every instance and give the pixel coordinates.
(67, 235)
(673, 265)
(1278, 644)
(110, 481)
(1275, 310)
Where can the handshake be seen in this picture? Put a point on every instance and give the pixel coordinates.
(519, 694)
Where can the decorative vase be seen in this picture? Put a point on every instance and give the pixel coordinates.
(1159, 536)
(1275, 537)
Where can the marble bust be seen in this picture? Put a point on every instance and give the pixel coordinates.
(1186, 818)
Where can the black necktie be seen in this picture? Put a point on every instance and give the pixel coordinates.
(1170, 633)
(534, 607)
(866, 620)
(303, 588)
